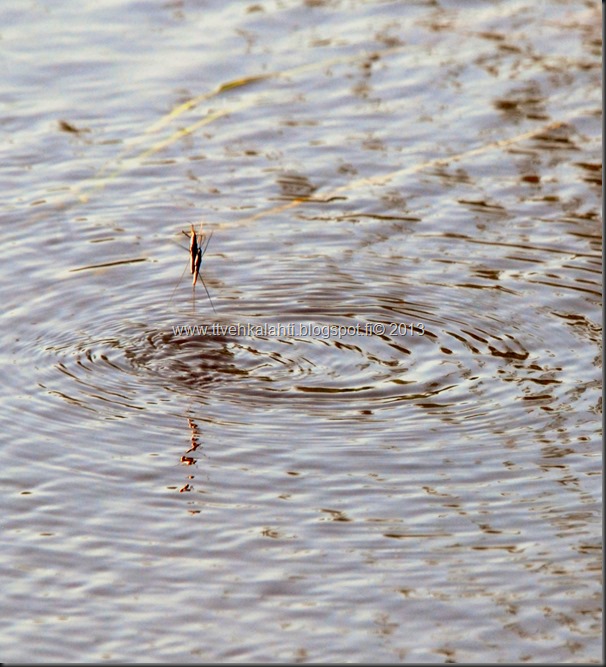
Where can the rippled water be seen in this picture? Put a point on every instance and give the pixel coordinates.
(414, 478)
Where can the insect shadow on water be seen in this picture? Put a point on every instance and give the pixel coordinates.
(198, 245)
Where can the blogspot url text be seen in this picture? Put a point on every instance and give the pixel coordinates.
(302, 330)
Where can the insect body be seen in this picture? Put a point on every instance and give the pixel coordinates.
(196, 253)
(197, 250)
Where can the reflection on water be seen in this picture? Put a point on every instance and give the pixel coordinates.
(381, 441)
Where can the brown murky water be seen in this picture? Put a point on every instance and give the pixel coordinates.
(385, 444)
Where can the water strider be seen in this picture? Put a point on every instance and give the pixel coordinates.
(197, 250)
(196, 253)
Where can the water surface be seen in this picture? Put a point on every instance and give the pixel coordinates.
(419, 479)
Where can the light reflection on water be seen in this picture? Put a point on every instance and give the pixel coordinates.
(293, 497)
